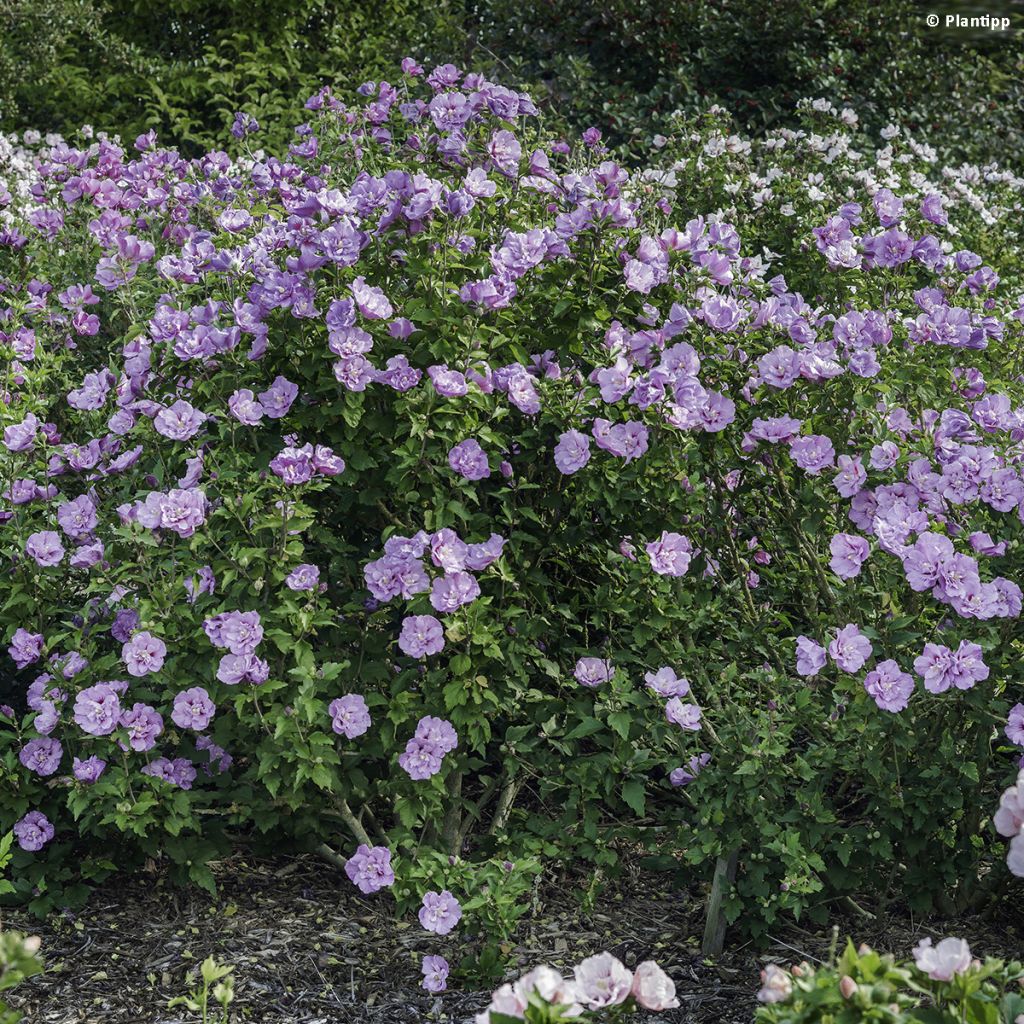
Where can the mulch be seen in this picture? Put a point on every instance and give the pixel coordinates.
(308, 949)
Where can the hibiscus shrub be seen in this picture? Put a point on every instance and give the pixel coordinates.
(452, 500)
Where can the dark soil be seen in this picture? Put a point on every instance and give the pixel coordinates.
(308, 949)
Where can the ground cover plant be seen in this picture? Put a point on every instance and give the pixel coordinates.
(453, 501)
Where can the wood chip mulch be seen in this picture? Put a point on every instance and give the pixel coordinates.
(308, 949)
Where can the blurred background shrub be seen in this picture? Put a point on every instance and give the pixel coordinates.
(184, 67)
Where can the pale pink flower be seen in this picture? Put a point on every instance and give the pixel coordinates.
(603, 980)
(942, 962)
(776, 985)
(653, 989)
(1009, 819)
(1015, 862)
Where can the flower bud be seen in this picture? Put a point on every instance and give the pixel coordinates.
(847, 986)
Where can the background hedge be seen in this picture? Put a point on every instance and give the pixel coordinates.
(185, 66)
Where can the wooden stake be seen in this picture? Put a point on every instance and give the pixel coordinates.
(714, 926)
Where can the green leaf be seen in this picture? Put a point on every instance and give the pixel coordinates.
(633, 794)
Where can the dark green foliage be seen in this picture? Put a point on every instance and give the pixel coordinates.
(626, 65)
(185, 66)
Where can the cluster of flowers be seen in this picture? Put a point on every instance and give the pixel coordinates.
(887, 684)
(98, 711)
(593, 672)
(238, 633)
(423, 754)
(599, 983)
(234, 275)
(299, 464)
(942, 962)
(402, 571)
(369, 869)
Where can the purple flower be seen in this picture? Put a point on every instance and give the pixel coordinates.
(369, 868)
(143, 654)
(421, 759)
(592, 672)
(371, 301)
(77, 518)
(479, 556)
(469, 460)
(670, 555)
(203, 582)
(775, 430)
(437, 732)
(33, 831)
(440, 912)
(924, 562)
(421, 635)
(88, 770)
(278, 398)
(294, 465)
(435, 973)
(182, 510)
(889, 685)
(813, 454)
(45, 547)
(238, 632)
(780, 367)
(848, 554)
(1009, 817)
(453, 590)
(245, 408)
(941, 668)
(41, 756)
(1015, 725)
(572, 452)
(850, 648)
(447, 551)
(686, 716)
(626, 440)
(237, 668)
(219, 758)
(20, 437)
(722, 313)
(126, 621)
(684, 776)
(26, 647)
(883, 456)
(144, 724)
(851, 476)
(179, 422)
(179, 772)
(810, 656)
(244, 124)
(350, 717)
(97, 710)
(665, 682)
(303, 577)
(1015, 857)
(448, 383)
(931, 210)
(193, 709)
